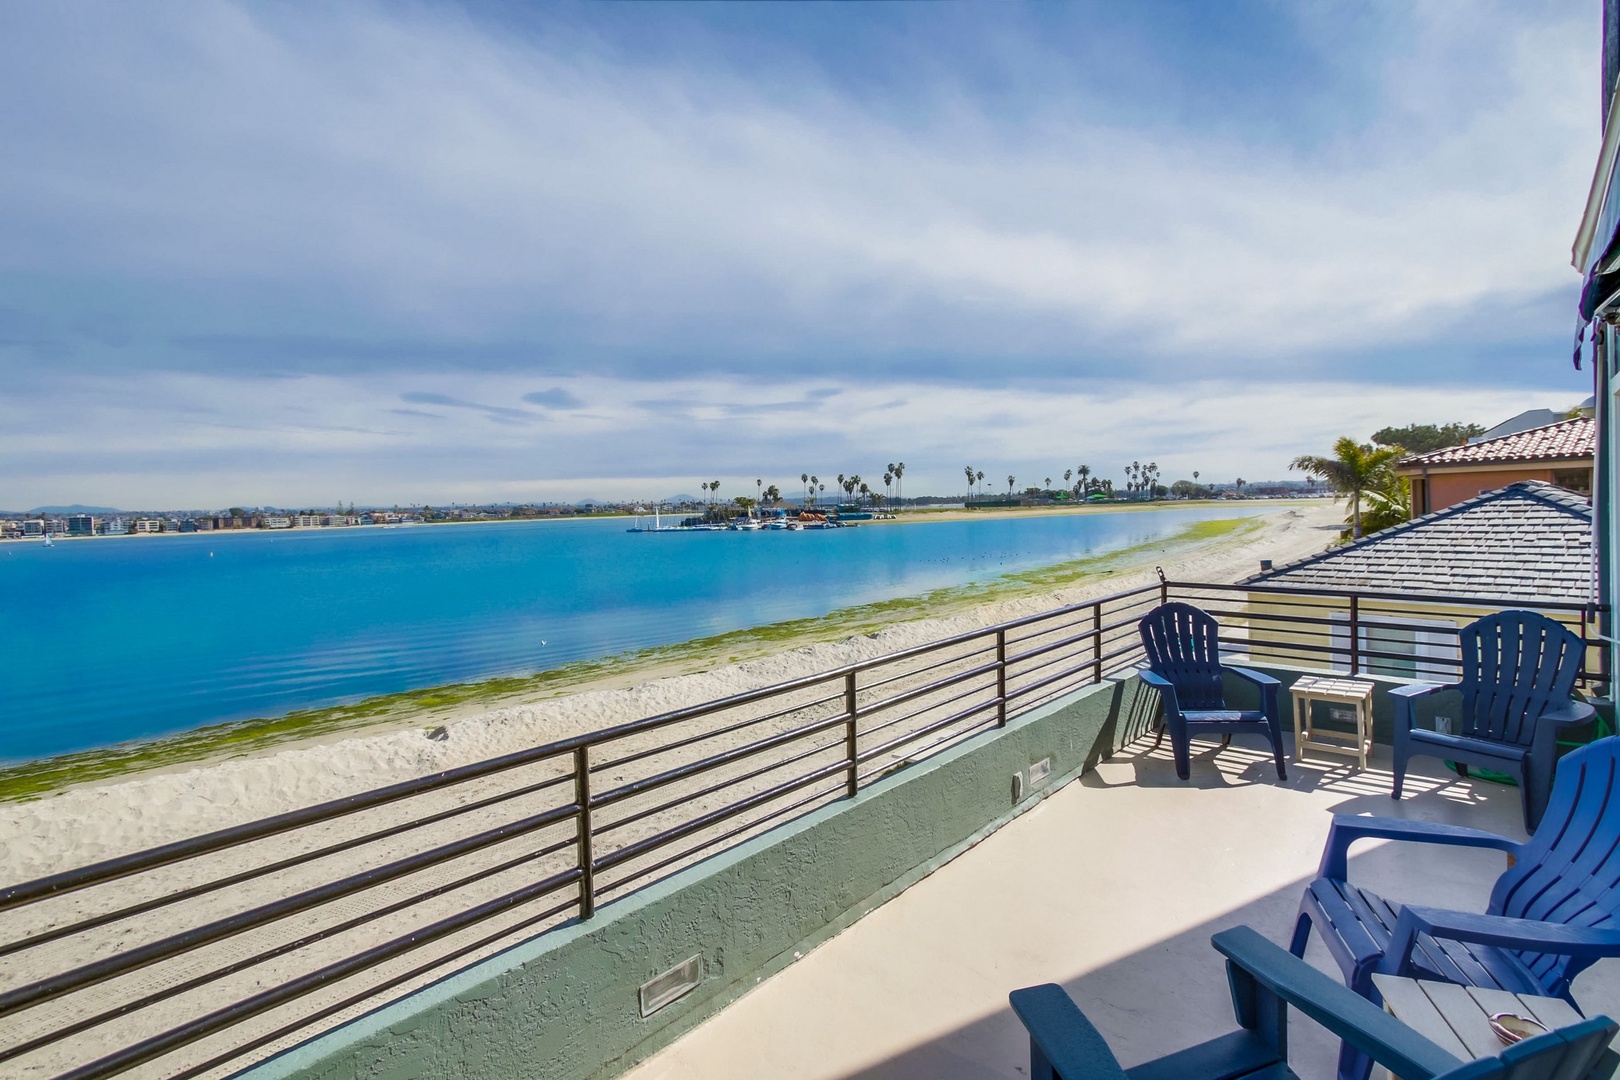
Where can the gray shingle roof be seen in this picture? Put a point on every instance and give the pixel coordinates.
(1527, 542)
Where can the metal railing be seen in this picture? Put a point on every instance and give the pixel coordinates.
(198, 957)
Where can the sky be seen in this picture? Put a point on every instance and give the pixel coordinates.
(296, 254)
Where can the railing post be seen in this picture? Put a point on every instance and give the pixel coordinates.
(587, 861)
(1355, 635)
(851, 748)
(1001, 678)
(1096, 642)
(1164, 586)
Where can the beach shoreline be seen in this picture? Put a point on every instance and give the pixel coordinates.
(1225, 549)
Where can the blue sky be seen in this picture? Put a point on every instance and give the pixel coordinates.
(396, 252)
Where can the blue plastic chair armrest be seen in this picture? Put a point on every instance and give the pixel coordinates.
(1348, 828)
(1259, 678)
(1500, 930)
(1166, 689)
(1573, 712)
(1060, 1034)
(1420, 689)
(1259, 969)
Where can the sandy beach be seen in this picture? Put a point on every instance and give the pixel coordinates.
(90, 822)
(86, 823)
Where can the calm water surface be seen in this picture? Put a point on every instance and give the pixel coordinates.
(108, 640)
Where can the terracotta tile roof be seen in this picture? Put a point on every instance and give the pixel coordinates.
(1527, 542)
(1567, 440)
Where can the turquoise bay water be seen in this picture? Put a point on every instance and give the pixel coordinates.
(116, 639)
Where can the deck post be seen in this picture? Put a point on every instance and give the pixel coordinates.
(587, 861)
(1355, 635)
(1001, 677)
(851, 748)
(1096, 642)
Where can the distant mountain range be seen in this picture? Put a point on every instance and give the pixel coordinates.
(76, 508)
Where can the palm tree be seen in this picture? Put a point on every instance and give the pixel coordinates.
(866, 493)
(888, 482)
(1353, 468)
(980, 476)
(1066, 474)
(804, 478)
(1048, 483)
(1084, 473)
(758, 494)
(815, 481)
(968, 471)
(1195, 481)
(899, 471)
(1010, 481)
(1239, 485)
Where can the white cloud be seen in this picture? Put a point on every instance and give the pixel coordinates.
(192, 440)
(449, 181)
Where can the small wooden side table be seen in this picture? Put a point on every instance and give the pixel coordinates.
(1353, 692)
(1457, 1018)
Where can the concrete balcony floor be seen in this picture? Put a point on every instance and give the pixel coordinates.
(1111, 887)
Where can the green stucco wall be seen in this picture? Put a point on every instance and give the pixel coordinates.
(564, 1005)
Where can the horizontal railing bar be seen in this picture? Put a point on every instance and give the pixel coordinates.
(714, 761)
(754, 774)
(158, 1045)
(1028, 688)
(653, 868)
(702, 736)
(927, 729)
(124, 865)
(99, 971)
(894, 721)
(1053, 646)
(703, 821)
(152, 997)
(935, 687)
(923, 752)
(1077, 680)
(1072, 658)
(169, 899)
(912, 673)
(373, 991)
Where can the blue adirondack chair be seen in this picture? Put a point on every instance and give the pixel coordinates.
(1184, 665)
(1265, 981)
(1518, 670)
(1552, 913)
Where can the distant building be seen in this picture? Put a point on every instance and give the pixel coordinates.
(33, 527)
(146, 525)
(1559, 453)
(81, 525)
(277, 521)
(308, 521)
(115, 527)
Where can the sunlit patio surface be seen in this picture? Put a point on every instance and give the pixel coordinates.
(1111, 887)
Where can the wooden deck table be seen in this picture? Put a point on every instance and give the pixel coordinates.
(1353, 692)
(1457, 1018)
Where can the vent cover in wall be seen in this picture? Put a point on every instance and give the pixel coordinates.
(672, 984)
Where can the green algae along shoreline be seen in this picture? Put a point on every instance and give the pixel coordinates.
(427, 706)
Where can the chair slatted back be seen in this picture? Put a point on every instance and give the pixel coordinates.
(1569, 872)
(1183, 646)
(1516, 664)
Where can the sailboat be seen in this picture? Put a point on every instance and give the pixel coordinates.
(48, 541)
